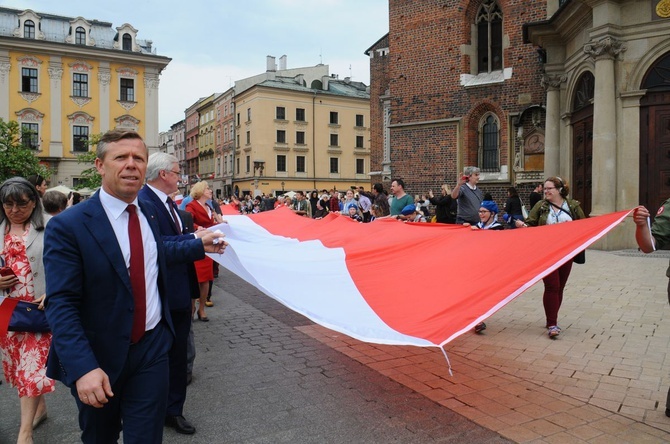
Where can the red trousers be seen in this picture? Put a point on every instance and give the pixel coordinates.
(554, 284)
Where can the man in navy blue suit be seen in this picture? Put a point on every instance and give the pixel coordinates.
(111, 333)
(162, 181)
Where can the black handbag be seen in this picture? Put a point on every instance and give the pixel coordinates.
(27, 317)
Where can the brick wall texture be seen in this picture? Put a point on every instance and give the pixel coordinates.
(421, 74)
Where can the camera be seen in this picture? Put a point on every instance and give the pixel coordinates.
(465, 178)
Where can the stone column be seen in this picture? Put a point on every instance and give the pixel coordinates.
(150, 118)
(55, 71)
(552, 136)
(104, 80)
(604, 52)
(5, 66)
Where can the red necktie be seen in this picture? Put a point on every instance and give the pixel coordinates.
(137, 275)
(174, 215)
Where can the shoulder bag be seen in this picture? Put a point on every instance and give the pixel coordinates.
(25, 316)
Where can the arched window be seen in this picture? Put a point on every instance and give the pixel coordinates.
(489, 37)
(29, 29)
(658, 76)
(489, 143)
(127, 42)
(584, 92)
(80, 36)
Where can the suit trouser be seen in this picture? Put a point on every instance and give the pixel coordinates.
(140, 396)
(667, 402)
(181, 320)
(190, 350)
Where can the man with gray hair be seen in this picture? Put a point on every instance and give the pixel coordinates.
(468, 196)
(162, 180)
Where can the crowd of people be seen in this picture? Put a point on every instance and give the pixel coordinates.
(458, 206)
(121, 276)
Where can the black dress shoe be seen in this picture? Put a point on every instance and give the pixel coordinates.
(180, 424)
(667, 413)
(189, 378)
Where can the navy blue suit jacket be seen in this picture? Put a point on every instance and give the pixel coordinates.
(89, 301)
(182, 278)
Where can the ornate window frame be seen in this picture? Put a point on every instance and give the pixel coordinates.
(126, 29)
(29, 15)
(127, 121)
(127, 73)
(81, 67)
(79, 118)
(75, 24)
(31, 63)
(31, 115)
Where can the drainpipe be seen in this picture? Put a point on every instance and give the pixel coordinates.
(314, 141)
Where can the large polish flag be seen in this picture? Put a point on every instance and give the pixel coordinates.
(390, 282)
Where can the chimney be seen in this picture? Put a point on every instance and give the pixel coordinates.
(282, 63)
(271, 65)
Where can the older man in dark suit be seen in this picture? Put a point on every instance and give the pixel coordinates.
(106, 275)
(162, 181)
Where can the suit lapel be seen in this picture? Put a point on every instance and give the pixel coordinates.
(160, 206)
(98, 225)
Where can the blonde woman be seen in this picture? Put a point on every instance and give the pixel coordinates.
(445, 206)
(203, 216)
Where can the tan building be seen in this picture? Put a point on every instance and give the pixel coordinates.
(65, 79)
(206, 138)
(190, 166)
(291, 135)
(607, 103)
(225, 143)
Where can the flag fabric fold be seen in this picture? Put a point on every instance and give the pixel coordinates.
(390, 282)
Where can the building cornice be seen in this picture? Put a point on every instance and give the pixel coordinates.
(86, 52)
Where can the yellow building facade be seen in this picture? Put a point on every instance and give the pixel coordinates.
(66, 79)
(294, 137)
(206, 138)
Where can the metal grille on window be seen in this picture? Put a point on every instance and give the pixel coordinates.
(490, 136)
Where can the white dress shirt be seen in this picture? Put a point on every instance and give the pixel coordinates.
(118, 217)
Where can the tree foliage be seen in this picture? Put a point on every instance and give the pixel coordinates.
(16, 159)
(90, 178)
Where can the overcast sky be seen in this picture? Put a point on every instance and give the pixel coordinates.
(212, 43)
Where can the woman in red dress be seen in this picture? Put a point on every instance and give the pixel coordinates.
(203, 216)
(24, 354)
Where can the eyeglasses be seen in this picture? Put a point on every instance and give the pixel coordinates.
(20, 205)
(178, 173)
(483, 211)
(549, 188)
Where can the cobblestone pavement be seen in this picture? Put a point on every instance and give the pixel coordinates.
(259, 379)
(604, 380)
(267, 375)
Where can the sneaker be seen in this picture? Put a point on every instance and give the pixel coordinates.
(480, 327)
(553, 331)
